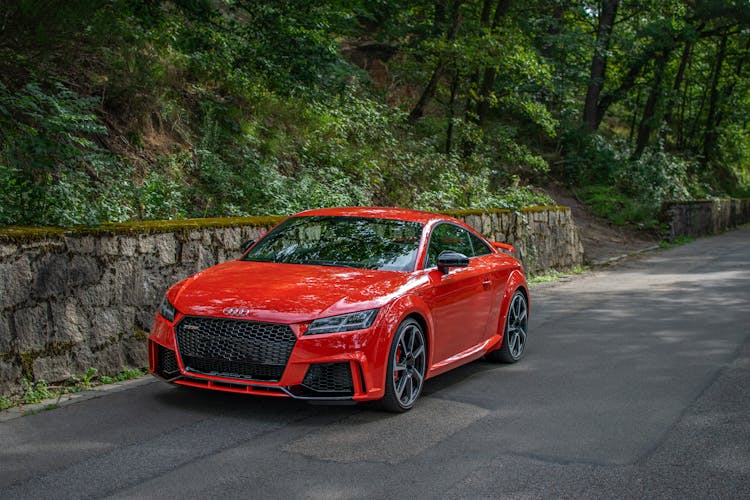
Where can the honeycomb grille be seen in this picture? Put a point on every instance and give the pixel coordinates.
(234, 348)
(329, 378)
(167, 362)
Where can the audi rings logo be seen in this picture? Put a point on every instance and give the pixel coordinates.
(236, 311)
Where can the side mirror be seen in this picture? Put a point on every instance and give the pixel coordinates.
(448, 259)
(503, 246)
(247, 245)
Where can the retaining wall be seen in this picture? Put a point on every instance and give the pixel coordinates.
(80, 298)
(704, 217)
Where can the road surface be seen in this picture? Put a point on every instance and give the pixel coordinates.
(636, 383)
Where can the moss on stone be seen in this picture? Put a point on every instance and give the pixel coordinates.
(139, 333)
(27, 364)
(23, 234)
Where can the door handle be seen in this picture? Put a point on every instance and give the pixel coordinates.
(487, 284)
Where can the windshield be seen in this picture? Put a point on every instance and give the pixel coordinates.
(367, 243)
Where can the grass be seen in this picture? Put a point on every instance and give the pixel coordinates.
(36, 392)
(606, 202)
(680, 240)
(555, 275)
(124, 375)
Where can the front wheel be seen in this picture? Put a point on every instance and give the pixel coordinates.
(516, 331)
(407, 364)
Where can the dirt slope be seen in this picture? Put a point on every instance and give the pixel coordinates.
(601, 239)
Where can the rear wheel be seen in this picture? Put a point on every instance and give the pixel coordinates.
(516, 331)
(407, 364)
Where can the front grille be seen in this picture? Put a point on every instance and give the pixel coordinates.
(234, 348)
(166, 362)
(329, 378)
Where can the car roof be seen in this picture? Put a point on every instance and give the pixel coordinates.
(379, 213)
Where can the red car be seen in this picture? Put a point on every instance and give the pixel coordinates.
(352, 304)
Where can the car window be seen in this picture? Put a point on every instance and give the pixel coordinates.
(362, 242)
(479, 246)
(447, 237)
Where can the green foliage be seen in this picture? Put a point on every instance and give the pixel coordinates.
(555, 275)
(52, 172)
(609, 203)
(6, 403)
(619, 187)
(680, 240)
(242, 107)
(129, 374)
(35, 392)
(83, 383)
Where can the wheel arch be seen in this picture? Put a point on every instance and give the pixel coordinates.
(516, 282)
(412, 306)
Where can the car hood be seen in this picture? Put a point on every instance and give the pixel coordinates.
(287, 293)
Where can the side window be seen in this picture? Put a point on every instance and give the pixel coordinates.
(480, 247)
(447, 237)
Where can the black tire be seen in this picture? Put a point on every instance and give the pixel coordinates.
(407, 365)
(516, 331)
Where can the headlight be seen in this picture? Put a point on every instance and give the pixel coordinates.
(167, 310)
(343, 323)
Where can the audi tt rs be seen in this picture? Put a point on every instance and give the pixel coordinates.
(345, 304)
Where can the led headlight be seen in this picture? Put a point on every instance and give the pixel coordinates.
(167, 310)
(343, 323)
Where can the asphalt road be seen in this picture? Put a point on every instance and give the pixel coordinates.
(636, 384)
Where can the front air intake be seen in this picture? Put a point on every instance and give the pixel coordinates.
(329, 379)
(234, 348)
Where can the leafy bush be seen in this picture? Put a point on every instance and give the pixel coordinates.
(51, 169)
(621, 188)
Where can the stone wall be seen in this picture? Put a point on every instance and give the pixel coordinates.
(701, 218)
(75, 299)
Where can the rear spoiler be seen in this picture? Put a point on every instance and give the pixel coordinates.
(503, 246)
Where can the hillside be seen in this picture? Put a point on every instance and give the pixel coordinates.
(132, 110)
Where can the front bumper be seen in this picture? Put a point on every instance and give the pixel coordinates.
(347, 366)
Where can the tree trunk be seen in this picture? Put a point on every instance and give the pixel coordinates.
(451, 113)
(484, 22)
(429, 90)
(687, 52)
(646, 127)
(711, 135)
(634, 117)
(607, 16)
(488, 81)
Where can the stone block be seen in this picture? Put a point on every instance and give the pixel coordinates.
(166, 248)
(70, 322)
(230, 239)
(189, 252)
(135, 352)
(6, 334)
(10, 377)
(146, 244)
(109, 360)
(206, 258)
(9, 250)
(206, 236)
(111, 323)
(85, 244)
(128, 246)
(53, 369)
(15, 281)
(50, 276)
(83, 270)
(33, 330)
(109, 245)
(101, 294)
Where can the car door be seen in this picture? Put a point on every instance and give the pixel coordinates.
(460, 300)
